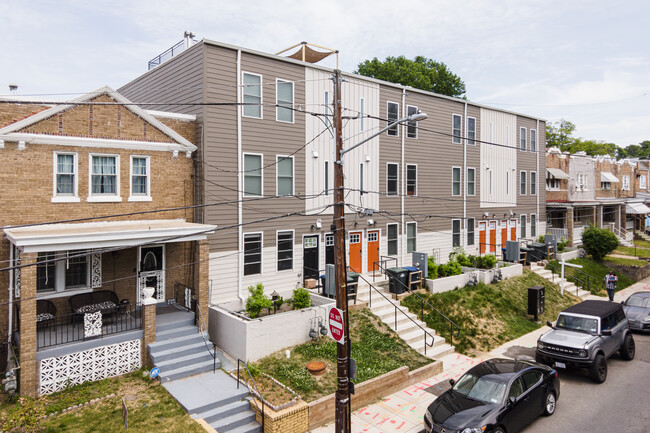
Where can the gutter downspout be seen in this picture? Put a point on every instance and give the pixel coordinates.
(11, 298)
(464, 177)
(404, 240)
(240, 183)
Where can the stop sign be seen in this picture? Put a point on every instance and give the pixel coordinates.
(336, 325)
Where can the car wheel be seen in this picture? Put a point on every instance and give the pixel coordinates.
(598, 369)
(498, 430)
(628, 348)
(549, 403)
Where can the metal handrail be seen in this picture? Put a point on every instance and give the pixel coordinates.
(214, 346)
(382, 259)
(588, 277)
(585, 284)
(239, 361)
(452, 325)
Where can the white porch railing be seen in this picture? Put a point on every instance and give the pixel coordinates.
(560, 233)
(577, 235)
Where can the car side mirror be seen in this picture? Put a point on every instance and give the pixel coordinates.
(512, 400)
(549, 324)
(622, 302)
(452, 382)
(606, 332)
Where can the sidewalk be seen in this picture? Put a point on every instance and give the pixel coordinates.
(403, 411)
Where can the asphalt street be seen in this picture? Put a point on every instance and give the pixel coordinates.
(618, 405)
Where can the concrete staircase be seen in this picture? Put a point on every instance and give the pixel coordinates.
(406, 329)
(568, 286)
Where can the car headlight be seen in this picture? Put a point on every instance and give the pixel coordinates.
(428, 416)
(582, 353)
(474, 430)
(541, 346)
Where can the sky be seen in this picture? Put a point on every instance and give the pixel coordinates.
(584, 61)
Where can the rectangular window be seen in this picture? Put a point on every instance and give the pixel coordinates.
(507, 182)
(471, 131)
(140, 184)
(582, 182)
(522, 183)
(455, 233)
(471, 181)
(392, 239)
(642, 181)
(411, 127)
(104, 175)
(533, 225)
(533, 140)
(533, 183)
(456, 131)
(362, 112)
(606, 185)
(252, 253)
(552, 184)
(522, 138)
(285, 175)
(65, 174)
(411, 179)
(361, 176)
(411, 237)
(284, 101)
(392, 115)
(327, 108)
(455, 181)
(285, 250)
(76, 270)
(626, 183)
(252, 175)
(327, 178)
(470, 231)
(45, 272)
(392, 171)
(522, 233)
(252, 95)
(490, 182)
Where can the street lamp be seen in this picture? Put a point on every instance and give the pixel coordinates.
(342, 408)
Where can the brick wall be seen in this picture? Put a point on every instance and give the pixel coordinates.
(11, 113)
(294, 419)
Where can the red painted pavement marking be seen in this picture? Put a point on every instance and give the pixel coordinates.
(376, 415)
(400, 426)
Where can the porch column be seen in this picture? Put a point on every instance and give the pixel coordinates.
(595, 216)
(203, 283)
(617, 217)
(148, 328)
(569, 224)
(599, 216)
(29, 379)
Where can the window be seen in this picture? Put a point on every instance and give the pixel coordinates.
(533, 225)
(361, 175)
(252, 175)
(455, 233)
(411, 127)
(456, 120)
(470, 231)
(606, 185)
(285, 250)
(626, 183)
(327, 108)
(392, 239)
(522, 138)
(533, 183)
(522, 183)
(76, 272)
(455, 181)
(252, 253)
(45, 272)
(582, 182)
(391, 178)
(362, 112)
(490, 172)
(65, 177)
(642, 181)
(523, 227)
(471, 181)
(411, 237)
(284, 101)
(411, 179)
(72, 266)
(507, 182)
(140, 183)
(471, 131)
(252, 94)
(285, 175)
(533, 140)
(104, 176)
(392, 116)
(327, 178)
(552, 183)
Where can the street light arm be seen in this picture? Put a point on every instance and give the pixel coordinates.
(412, 118)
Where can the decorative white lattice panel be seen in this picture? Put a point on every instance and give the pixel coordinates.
(88, 366)
(17, 277)
(160, 284)
(92, 324)
(96, 270)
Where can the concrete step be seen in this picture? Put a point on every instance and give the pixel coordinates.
(174, 325)
(416, 335)
(234, 396)
(185, 360)
(440, 351)
(402, 320)
(231, 422)
(188, 370)
(168, 352)
(222, 410)
(419, 344)
(252, 427)
(160, 346)
(176, 332)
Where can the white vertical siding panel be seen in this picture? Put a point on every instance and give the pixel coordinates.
(499, 159)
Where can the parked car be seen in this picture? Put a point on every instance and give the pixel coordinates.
(637, 311)
(584, 336)
(496, 396)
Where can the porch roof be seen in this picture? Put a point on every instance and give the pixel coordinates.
(606, 176)
(557, 173)
(637, 208)
(105, 234)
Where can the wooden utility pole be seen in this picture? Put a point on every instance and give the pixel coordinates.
(342, 350)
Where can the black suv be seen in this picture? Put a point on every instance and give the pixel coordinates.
(584, 336)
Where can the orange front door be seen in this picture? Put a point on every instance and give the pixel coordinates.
(373, 250)
(493, 236)
(354, 261)
(513, 230)
(481, 237)
(504, 233)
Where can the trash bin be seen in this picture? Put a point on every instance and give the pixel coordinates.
(352, 278)
(411, 269)
(398, 280)
(536, 301)
(537, 253)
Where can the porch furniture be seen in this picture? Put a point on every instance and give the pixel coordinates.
(45, 313)
(105, 301)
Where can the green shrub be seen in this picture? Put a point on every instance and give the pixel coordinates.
(301, 299)
(25, 417)
(458, 255)
(449, 269)
(540, 239)
(561, 245)
(598, 242)
(488, 261)
(433, 269)
(257, 301)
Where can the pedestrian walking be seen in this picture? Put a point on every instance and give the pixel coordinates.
(610, 281)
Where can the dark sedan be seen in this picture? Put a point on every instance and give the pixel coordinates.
(495, 396)
(637, 311)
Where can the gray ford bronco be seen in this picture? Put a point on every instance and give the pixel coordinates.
(584, 336)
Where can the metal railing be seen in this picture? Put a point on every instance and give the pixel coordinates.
(559, 232)
(250, 390)
(184, 296)
(378, 265)
(166, 55)
(584, 281)
(201, 325)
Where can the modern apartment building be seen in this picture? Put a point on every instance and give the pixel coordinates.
(468, 176)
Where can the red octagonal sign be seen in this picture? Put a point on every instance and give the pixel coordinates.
(336, 325)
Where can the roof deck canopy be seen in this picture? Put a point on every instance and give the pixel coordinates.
(606, 176)
(557, 173)
(636, 208)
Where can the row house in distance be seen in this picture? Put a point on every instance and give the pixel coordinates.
(468, 176)
(582, 190)
(82, 234)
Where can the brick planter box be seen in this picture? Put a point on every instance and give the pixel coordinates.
(294, 419)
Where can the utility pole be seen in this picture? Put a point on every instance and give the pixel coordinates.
(342, 350)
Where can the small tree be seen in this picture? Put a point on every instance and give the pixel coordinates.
(257, 301)
(598, 242)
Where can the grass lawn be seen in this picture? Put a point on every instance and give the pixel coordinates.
(631, 251)
(598, 271)
(150, 408)
(490, 315)
(625, 261)
(642, 243)
(376, 348)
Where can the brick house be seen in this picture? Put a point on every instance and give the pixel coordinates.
(83, 235)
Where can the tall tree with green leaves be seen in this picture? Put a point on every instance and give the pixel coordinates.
(421, 73)
(559, 134)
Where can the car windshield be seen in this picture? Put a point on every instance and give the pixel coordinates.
(583, 324)
(638, 301)
(483, 388)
